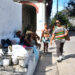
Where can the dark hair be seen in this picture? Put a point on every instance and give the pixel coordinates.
(29, 37)
(29, 27)
(59, 20)
(46, 24)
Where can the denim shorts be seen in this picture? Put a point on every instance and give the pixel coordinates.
(46, 39)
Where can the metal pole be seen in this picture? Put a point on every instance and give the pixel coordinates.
(57, 9)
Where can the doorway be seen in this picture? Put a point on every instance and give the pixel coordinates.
(28, 17)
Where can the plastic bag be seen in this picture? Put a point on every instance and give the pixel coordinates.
(18, 51)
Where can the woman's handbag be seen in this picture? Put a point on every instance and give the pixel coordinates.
(67, 38)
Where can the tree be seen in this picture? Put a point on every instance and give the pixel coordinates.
(71, 8)
(62, 17)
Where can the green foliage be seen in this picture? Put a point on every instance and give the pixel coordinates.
(63, 19)
(53, 21)
(71, 8)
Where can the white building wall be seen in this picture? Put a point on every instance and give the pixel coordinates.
(40, 18)
(10, 18)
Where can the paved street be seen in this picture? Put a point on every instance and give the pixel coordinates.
(49, 66)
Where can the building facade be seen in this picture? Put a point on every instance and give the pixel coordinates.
(18, 14)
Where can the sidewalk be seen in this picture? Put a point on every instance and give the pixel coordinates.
(67, 66)
(52, 67)
(45, 65)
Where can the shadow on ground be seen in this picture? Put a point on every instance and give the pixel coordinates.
(70, 56)
(51, 48)
(44, 63)
(71, 33)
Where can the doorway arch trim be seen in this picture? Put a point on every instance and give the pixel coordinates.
(32, 4)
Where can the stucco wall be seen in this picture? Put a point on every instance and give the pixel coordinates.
(10, 18)
(40, 18)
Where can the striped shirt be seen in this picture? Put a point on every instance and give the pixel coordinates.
(59, 33)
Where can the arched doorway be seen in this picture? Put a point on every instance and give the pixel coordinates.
(29, 15)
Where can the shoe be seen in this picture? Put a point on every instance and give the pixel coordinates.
(59, 59)
(63, 57)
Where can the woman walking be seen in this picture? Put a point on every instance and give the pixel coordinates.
(59, 34)
(45, 38)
